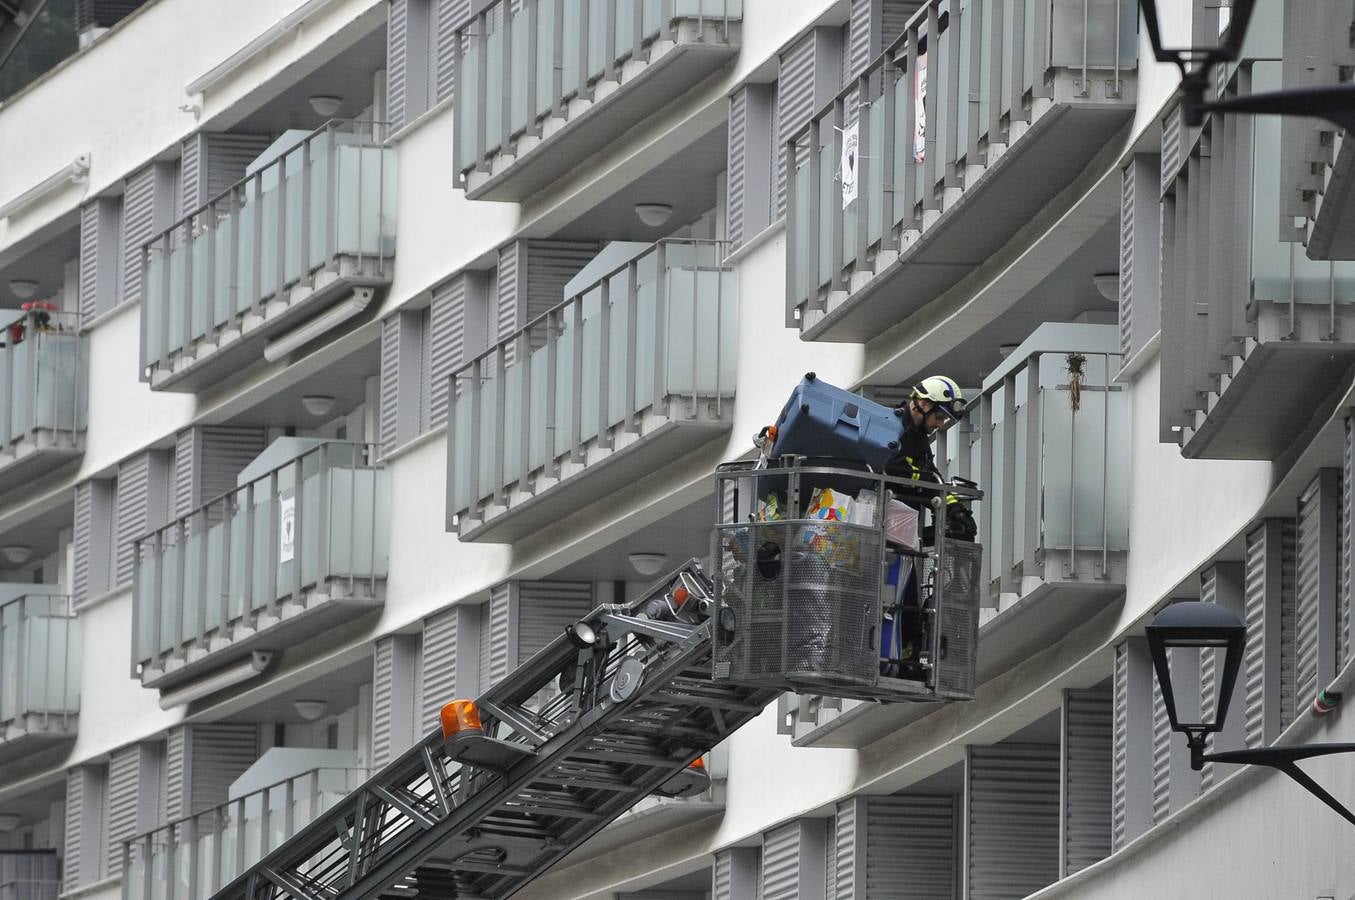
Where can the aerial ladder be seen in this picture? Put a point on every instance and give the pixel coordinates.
(624, 703)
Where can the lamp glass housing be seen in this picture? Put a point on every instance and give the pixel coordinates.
(1180, 640)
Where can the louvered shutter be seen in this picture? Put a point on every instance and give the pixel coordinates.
(863, 35)
(138, 226)
(1132, 742)
(84, 832)
(751, 151)
(186, 447)
(509, 309)
(447, 347)
(792, 861)
(81, 538)
(124, 771)
(794, 104)
(425, 368)
(223, 452)
(393, 678)
(448, 660)
(1126, 306)
(550, 265)
(545, 609)
(735, 874)
(176, 768)
(1222, 583)
(497, 638)
(1088, 737)
(141, 505)
(450, 15)
(1347, 510)
(1288, 559)
(397, 45)
(1261, 661)
(390, 382)
(894, 16)
(211, 163)
(1162, 769)
(1140, 241)
(1208, 671)
(99, 255)
(1171, 148)
(1012, 819)
(1119, 747)
(847, 850)
(1316, 586)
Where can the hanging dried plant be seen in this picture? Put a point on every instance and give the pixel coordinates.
(1077, 373)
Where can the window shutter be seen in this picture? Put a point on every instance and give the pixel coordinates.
(545, 608)
(207, 461)
(497, 633)
(1221, 583)
(447, 344)
(448, 660)
(910, 844)
(211, 163)
(894, 16)
(510, 312)
(1011, 811)
(847, 850)
(1288, 560)
(1088, 756)
(1162, 769)
(218, 754)
(393, 680)
(792, 861)
(450, 15)
(735, 873)
(863, 37)
(750, 155)
(1347, 510)
(1261, 663)
(807, 77)
(397, 44)
(176, 768)
(124, 783)
(1171, 148)
(141, 505)
(549, 266)
(1132, 742)
(425, 368)
(92, 538)
(186, 455)
(1140, 238)
(390, 382)
(83, 863)
(99, 255)
(147, 204)
(1315, 620)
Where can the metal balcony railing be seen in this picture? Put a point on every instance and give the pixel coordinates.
(29, 890)
(39, 666)
(194, 857)
(1048, 439)
(1246, 316)
(43, 375)
(322, 214)
(651, 344)
(524, 68)
(965, 84)
(312, 532)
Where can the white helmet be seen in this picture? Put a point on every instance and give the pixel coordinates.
(943, 392)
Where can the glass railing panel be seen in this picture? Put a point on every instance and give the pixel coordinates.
(519, 119)
(487, 435)
(828, 195)
(702, 332)
(544, 15)
(874, 181)
(590, 382)
(995, 496)
(468, 85)
(492, 97)
(538, 434)
(646, 296)
(461, 474)
(800, 231)
(1108, 39)
(597, 37)
(40, 652)
(10, 618)
(569, 48)
(512, 423)
(938, 80)
(905, 132)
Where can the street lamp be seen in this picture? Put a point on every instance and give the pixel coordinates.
(1335, 103)
(1195, 627)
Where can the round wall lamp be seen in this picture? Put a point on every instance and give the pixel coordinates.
(653, 214)
(310, 710)
(317, 404)
(23, 288)
(325, 105)
(647, 563)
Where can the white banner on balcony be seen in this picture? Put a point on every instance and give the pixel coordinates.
(850, 164)
(920, 110)
(286, 529)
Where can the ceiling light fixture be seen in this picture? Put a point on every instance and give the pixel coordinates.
(653, 214)
(648, 563)
(23, 288)
(9, 822)
(1108, 285)
(310, 710)
(16, 554)
(317, 404)
(325, 105)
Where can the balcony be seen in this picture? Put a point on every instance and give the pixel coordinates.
(298, 246)
(1055, 518)
(616, 382)
(299, 546)
(43, 385)
(967, 127)
(29, 875)
(542, 85)
(1254, 333)
(194, 857)
(39, 670)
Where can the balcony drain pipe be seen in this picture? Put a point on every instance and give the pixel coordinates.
(250, 667)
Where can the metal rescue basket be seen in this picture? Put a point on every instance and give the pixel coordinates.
(800, 594)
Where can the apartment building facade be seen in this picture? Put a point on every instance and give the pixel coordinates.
(355, 347)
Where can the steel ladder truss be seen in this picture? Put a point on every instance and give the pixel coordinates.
(482, 817)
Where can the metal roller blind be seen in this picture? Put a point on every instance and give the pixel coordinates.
(1012, 811)
(447, 344)
(909, 847)
(722, 877)
(1088, 758)
(550, 265)
(496, 636)
(438, 661)
(185, 472)
(123, 785)
(792, 861)
(223, 453)
(220, 753)
(734, 875)
(545, 609)
(894, 16)
(211, 163)
(1119, 747)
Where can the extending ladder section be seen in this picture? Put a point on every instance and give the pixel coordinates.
(571, 740)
